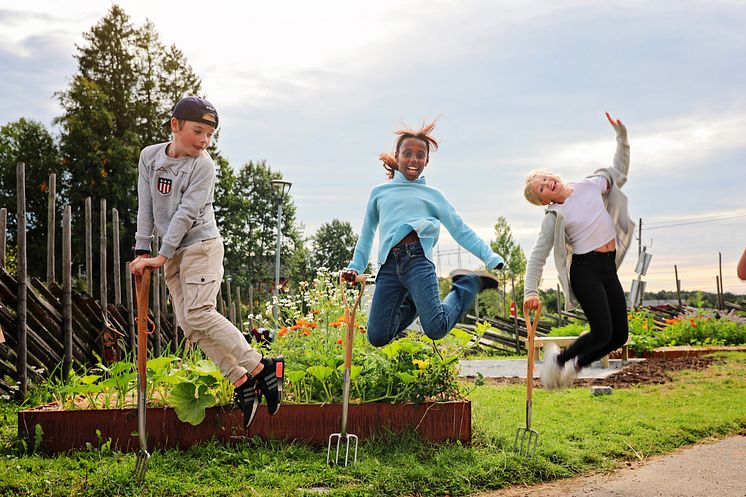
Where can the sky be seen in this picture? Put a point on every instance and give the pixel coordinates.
(317, 88)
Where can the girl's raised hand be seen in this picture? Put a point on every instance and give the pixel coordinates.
(531, 302)
(614, 122)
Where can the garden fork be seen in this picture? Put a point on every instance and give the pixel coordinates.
(344, 438)
(143, 294)
(527, 436)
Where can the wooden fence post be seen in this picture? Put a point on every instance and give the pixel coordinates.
(88, 246)
(251, 306)
(238, 306)
(3, 227)
(21, 277)
(678, 284)
(67, 285)
(51, 197)
(221, 302)
(103, 297)
(116, 265)
(722, 292)
(231, 311)
(130, 309)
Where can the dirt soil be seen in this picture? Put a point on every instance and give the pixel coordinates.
(649, 372)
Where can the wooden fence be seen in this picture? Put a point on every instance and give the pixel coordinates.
(47, 326)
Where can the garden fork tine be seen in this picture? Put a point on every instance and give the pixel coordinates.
(344, 438)
(143, 293)
(528, 438)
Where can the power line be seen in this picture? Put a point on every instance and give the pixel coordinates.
(693, 221)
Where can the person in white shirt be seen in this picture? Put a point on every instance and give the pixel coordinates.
(589, 228)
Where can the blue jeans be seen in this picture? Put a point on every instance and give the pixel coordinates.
(406, 286)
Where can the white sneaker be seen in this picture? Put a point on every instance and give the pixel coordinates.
(569, 373)
(550, 369)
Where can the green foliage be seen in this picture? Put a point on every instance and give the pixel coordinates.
(569, 330)
(126, 85)
(28, 142)
(579, 434)
(700, 329)
(312, 335)
(246, 211)
(333, 245)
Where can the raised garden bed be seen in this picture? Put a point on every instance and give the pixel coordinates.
(63, 431)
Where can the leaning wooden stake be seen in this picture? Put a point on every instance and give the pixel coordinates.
(22, 345)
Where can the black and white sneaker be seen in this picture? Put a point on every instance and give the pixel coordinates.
(247, 398)
(486, 280)
(270, 381)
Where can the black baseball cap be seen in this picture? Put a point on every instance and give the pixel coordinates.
(193, 109)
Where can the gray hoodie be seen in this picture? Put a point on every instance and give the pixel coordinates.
(552, 235)
(175, 196)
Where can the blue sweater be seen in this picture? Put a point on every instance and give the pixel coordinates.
(400, 206)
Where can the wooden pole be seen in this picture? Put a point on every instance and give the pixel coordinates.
(67, 285)
(238, 307)
(221, 302)
(3, 227)
(717, 290)
(515, 317)
(678, 283)
(251, 307)
(103, 296)
(117, 263)
(722, 292)
(51, 196)
(559, 307)
(21, 277)
(231, 313)
(130, 309)
(88, 246)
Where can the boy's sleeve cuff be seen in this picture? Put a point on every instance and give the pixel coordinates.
(167, 251)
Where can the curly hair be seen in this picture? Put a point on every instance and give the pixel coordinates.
(528, 192)
(390, 164)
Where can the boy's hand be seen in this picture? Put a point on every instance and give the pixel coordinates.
(349, 275)
(138, 265)
(531, 302)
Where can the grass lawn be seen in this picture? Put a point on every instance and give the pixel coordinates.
(577, 434)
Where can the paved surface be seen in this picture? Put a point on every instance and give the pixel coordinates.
(510, 368)
(709, 470)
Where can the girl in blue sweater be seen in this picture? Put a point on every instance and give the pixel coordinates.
(408, 214)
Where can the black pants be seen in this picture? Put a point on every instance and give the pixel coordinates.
(596, 285)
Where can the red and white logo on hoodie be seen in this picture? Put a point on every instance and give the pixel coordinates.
(164, 185)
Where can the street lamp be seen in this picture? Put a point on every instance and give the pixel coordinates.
(281, 189)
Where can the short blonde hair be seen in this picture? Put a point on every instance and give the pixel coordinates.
(528, 192)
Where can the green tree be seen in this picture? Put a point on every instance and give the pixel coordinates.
(515, 267)
(126, 85)
(333, 245)
(29, 142)
(246, 211)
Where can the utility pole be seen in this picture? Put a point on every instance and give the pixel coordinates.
(639, 238)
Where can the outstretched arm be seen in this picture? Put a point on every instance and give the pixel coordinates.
(621, 157)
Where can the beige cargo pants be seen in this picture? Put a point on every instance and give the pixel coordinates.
(193, 276)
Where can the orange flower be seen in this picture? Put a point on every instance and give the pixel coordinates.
(314, 324)
(283, 331)
(335, 324)
(340, 341)
(295, 327)
(316, 311)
